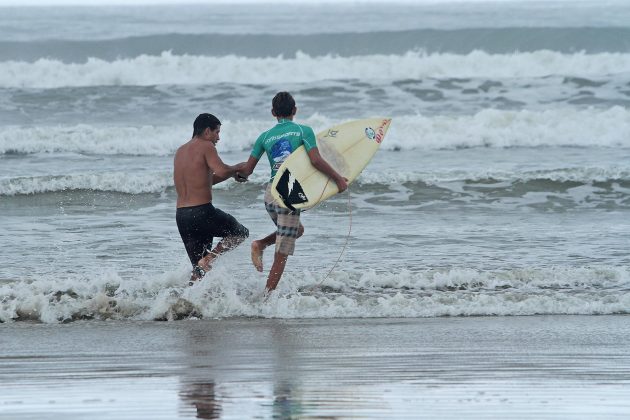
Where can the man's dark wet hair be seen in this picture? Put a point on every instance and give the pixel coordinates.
(283, 104)
(204, 121)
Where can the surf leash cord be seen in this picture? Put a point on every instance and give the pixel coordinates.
(345, 245)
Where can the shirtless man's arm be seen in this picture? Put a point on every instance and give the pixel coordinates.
(247, 168)
(219, 171)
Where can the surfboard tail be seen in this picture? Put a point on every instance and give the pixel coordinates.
(290, 190)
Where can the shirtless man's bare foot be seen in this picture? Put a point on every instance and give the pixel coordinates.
(203, 266)
(206, 262)
(196, 275)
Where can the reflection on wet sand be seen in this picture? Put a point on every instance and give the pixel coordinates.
(474, 368)
(202, 398)
(222, 371)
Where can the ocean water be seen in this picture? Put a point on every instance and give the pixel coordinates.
(502, 187)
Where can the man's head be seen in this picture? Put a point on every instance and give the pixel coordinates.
(283, 105)
(208, 122)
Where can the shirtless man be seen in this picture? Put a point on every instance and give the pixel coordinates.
(197, 168)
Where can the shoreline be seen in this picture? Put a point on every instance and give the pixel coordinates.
(476, 367)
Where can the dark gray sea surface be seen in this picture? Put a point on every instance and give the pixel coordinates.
(502, 187)
(465, 231)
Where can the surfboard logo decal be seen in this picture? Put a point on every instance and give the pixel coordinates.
(380, 132)
(290, 190)
(369, 132)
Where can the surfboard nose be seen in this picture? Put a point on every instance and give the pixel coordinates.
(382, 129)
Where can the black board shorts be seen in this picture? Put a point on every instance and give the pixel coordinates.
(198, 225)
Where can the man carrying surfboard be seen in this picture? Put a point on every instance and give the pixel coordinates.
(197, 167)
(279, 142)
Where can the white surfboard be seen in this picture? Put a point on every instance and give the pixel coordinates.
(347, 147)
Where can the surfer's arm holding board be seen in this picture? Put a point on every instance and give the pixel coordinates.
(324, 167)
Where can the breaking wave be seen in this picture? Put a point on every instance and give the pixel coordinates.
(169, 68)
(432, 293)
(487, 128)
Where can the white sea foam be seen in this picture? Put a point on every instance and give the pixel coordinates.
(457, 292)
(121, 140)
(140, 182)
(168, 68)
(578, 174)
(497, 128)
(123, 182)
(106, 140)
(487, 128)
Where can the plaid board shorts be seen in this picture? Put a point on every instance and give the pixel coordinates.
(287, 221)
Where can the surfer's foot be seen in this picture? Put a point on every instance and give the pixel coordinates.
(257, 253)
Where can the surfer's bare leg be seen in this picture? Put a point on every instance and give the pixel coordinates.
(277, 268)
(259, 246)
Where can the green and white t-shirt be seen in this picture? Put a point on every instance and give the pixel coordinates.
(282, 140)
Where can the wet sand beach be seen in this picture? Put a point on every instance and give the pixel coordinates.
(452, 368)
